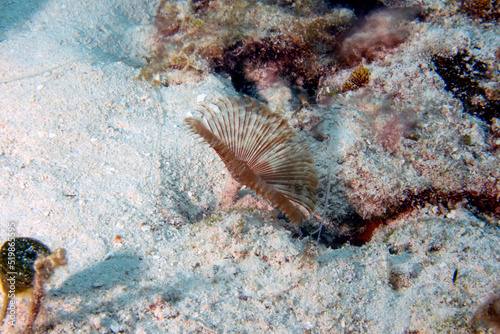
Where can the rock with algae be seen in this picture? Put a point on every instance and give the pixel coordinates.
(254, 42)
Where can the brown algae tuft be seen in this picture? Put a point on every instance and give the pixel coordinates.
(360, 77)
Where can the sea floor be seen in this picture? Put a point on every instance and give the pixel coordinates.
(99, 163)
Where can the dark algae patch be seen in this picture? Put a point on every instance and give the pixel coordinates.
(462, 74)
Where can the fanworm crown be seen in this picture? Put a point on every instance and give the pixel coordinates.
(261, 151)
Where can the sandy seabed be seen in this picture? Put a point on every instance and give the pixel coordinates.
(100, 164)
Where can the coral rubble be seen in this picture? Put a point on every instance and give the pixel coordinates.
(484, 9)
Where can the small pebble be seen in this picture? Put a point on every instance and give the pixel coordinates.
(118, 240)
(115, 327)
(453, 214)
(201, 97)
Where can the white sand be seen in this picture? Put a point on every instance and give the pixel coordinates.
(88, 153)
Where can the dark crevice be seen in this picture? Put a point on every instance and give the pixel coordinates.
(359, 231)
(359, 7)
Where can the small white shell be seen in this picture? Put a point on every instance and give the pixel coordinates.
(201, 97)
